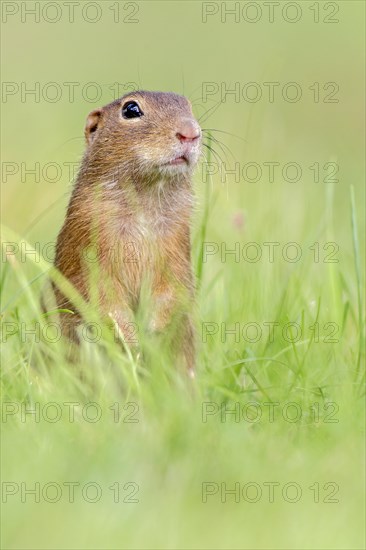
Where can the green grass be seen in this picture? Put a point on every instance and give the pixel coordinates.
(170, 436)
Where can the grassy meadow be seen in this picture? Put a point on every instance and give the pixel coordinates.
(265, 448)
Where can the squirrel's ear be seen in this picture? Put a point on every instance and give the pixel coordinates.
(92, 125)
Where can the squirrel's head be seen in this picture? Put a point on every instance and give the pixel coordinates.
(144, 135)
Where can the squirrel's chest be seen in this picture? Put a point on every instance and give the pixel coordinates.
(142, 253)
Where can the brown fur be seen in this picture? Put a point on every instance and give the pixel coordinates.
(134, 212)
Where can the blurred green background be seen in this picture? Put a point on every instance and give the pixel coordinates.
(170, 452)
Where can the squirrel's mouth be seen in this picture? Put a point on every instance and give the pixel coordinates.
(182, 159)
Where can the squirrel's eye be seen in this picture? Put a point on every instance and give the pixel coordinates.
(131, 110)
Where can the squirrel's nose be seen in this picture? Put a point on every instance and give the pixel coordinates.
(188, 131)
